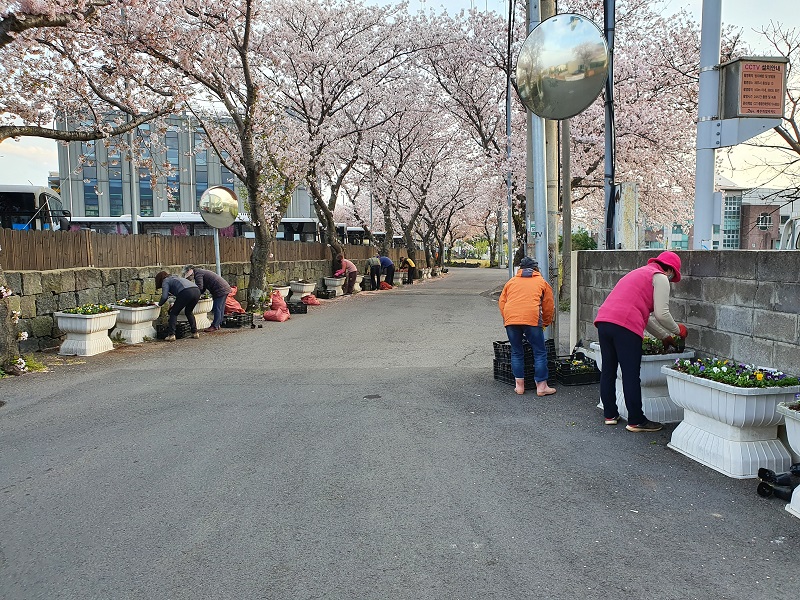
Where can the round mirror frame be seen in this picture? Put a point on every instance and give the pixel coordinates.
(219, 207)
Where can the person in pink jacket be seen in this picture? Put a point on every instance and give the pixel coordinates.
(639, 302)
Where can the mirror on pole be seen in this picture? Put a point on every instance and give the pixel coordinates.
(562, 66)
(219, 208)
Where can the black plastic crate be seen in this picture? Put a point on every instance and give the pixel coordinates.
(568, 373)
(502, 350)
(502, 372)
(237, 320)
(326, 294)
(182, 330)
(297, 308)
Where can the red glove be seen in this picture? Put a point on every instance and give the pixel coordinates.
(683, 330)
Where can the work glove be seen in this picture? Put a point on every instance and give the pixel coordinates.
(683, 331)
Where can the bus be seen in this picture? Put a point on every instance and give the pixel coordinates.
(32, 207)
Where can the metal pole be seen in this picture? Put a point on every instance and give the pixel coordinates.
(216, 250)
(706, 117)
(509, 195)
(536, 184)
(608, 181)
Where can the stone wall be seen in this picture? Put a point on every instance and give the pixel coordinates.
(41, 293)
(737, 304)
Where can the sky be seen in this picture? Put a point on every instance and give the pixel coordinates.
(30, 160)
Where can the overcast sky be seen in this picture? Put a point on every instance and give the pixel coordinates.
(30, 160)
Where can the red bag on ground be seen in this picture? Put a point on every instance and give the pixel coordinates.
(277, 315)
(311, 300)
(277, 302)
(279, 312)
(232, 306)
(384, 286)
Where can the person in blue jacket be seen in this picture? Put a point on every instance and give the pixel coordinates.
(210, 282)
(387, 266)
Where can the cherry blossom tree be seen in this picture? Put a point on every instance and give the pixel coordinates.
(54, 65)
(329, 62)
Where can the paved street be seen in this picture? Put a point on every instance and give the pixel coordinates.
(361, 451)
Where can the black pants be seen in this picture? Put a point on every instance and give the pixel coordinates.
(351, 282)
(375, 276)
(412, 272)
(621, 348)
(390, 274)
(185, 301)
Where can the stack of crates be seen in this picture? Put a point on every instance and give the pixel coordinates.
(502, 362)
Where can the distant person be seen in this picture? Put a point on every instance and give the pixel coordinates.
(527, 306)
(407, 263)
(186, 296)
(374, 265)
(639, 301)
(387, 266)
(349, 270)
(210, 282)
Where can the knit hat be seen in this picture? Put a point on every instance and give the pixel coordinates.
(528, 263)
(186, 269)
(669, 260)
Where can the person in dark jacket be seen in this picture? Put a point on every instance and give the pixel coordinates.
(186, 296)
(210, 282)
(388, 267)
(374, 264)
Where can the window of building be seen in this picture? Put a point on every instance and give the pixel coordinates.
(174, 176)
(201, 167)
(114, 182)
(764, 221)
(731, 222)
(91, 198)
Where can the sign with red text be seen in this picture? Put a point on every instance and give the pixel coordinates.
(754, 87)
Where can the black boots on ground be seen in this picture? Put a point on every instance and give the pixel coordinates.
(779, 485)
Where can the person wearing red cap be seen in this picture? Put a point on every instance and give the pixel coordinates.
(638, 303)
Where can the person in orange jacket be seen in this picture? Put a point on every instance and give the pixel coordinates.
(527, 307)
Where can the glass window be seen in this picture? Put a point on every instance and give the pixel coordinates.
(731, 222)
(764, 221)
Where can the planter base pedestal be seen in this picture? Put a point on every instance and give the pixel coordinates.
(136, 333)
(86, 344)
(737, 452)
(656, 404)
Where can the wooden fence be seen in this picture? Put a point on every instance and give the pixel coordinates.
(48, 250)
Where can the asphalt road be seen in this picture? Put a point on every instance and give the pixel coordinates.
(361, 451)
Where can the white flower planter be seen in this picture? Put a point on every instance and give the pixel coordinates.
(792, 419)
(87, 335)
(357, 286)
(335, 284)
(730, 429)
(398, 278)
(656, 403)
(282, 289)
(200, 312)
(134, 323)
(302, 288)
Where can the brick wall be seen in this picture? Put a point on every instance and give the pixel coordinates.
(737, 304)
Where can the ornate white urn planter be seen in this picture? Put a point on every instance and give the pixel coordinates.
(733, 430)
(399, 276)
(656, 403)
(335, 284)
(134, 323)
(200, 312)
(87, 335)
(302, 288)
(792, 419)
(357, 286)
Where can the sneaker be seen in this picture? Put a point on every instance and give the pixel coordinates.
(646, 426)
(612, 420)
(195, 336)
(212, 329)
(169, 338)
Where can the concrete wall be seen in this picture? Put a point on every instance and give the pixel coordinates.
(41, 293)
(737, 304)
